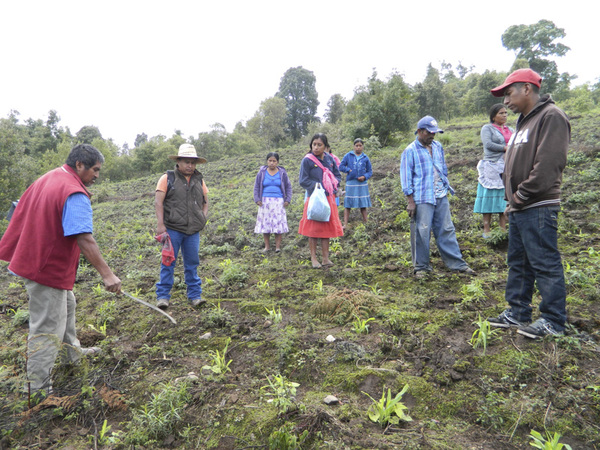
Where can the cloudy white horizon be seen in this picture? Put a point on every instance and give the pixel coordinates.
(155, 67)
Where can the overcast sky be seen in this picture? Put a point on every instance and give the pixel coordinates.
(129, 67)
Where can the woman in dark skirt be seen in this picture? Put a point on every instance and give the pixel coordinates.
(319, 167)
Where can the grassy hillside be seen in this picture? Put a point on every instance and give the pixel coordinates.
(268, 317)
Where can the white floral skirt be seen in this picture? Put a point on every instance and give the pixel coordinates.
(271, 217)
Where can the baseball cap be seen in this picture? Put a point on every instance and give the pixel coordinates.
(518, 76)
(430, 124)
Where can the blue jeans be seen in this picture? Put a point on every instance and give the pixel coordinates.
(189, 245)
(533, 257)
(434, 218)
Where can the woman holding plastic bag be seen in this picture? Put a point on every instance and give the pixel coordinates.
(319, 171)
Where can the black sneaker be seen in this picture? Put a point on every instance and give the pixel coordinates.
(506, 320)
(539, 329)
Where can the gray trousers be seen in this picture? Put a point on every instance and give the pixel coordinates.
(51, 324)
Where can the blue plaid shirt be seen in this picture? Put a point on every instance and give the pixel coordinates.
(417, 172)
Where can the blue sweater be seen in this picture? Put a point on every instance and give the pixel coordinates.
(356, 167)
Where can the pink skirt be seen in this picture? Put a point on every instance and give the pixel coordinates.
(315, 229)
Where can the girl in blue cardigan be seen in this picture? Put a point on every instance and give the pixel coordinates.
(358, 167)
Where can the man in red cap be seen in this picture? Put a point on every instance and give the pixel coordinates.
(535, 159)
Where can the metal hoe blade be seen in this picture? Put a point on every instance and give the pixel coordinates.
(149, 306)
(413, 239)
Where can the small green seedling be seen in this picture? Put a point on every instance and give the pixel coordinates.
(318, 286)
(360, 326)
(97, 289)
(101, 329)
(374, 289)
(103, 433)
(262, 285)
(335, 246)
(219, 365)
(353, 264)
(473, 292)
(482, 335)
(549, 442)
(388, 410)
(274, 316)
(282, 391)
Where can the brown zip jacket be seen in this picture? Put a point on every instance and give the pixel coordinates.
(536, 157)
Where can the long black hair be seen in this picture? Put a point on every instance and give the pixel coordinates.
(318, 136)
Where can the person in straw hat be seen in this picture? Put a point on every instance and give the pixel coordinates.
(181, 204)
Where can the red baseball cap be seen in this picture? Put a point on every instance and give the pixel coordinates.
(518, 76)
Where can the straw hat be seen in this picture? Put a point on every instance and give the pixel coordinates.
(188, 151)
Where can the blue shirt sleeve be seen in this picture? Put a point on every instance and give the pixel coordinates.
(305, 180)
(406, 169)
(344, 164)
(77, 215)
(368, 169)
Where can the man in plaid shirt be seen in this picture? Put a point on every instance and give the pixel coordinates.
(424, 178)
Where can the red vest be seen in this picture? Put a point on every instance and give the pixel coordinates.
(34, 242)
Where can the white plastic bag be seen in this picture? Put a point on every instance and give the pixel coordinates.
(318, 207)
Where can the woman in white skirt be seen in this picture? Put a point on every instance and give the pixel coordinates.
(490, 187)
(272, 194)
